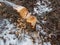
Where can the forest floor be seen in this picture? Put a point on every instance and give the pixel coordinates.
(14, 29)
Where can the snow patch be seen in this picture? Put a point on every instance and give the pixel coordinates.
(11, 39)
(46, 43)
(41, 9)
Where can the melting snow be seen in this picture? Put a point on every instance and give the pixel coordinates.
(46, 43)
(1, 42)
(11, 38)
(41, 9)
(38, 27)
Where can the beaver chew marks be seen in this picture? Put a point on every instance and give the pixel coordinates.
(32, 20)
(23, 13)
